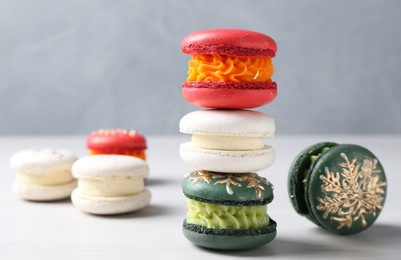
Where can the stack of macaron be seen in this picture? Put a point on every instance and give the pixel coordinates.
(229, 73)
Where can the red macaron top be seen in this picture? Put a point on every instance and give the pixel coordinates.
(115, 139)
(233, 42)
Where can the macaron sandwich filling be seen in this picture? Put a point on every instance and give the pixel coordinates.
(139, 153)
(111, 186)
(228, 143)
(313, 159)
(46, 179)
(223, 68)
(223, 216)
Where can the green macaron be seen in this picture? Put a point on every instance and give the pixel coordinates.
(340, 187)
(227, 211)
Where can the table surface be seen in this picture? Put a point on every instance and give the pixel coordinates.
(57, 230)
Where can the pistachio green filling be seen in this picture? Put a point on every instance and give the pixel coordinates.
(219, 216)
(313, 159)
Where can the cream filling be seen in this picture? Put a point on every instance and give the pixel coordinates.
(111, 186)
(47, 179)
(230, 143)
(220, 216)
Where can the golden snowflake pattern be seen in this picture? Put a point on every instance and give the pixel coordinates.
(232, 179)
(351, 198)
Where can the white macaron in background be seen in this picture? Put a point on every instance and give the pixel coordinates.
(43, 174)
(110, 184)
(228, 140)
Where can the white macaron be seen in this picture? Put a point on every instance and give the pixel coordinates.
(43, 174)
(110, 184)
(229, 141)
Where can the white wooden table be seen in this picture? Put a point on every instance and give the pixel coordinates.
(57, 230)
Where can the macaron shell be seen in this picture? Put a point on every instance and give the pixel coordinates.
(211, 187)
(301, 164)
(110, 165)
(235, 42)
(115, 140)
(110, 205)
(229, 239)
(219, 122)
(346, 189)
(44, 193)
(42, 160)
(231, 98)
(227, 161)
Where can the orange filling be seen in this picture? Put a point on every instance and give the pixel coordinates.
(222, 68)
(139, 154)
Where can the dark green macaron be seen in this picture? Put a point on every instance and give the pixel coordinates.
(341, 187)
(227, 211)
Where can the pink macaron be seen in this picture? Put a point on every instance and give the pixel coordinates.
(230, 68)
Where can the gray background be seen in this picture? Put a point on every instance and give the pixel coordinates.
(72, 66)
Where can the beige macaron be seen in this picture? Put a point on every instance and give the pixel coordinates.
(110, 184)
(43, 174)
(229, 141)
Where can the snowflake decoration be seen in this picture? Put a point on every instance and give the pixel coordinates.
(230, 179)
(357, 194)
(200, 176)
